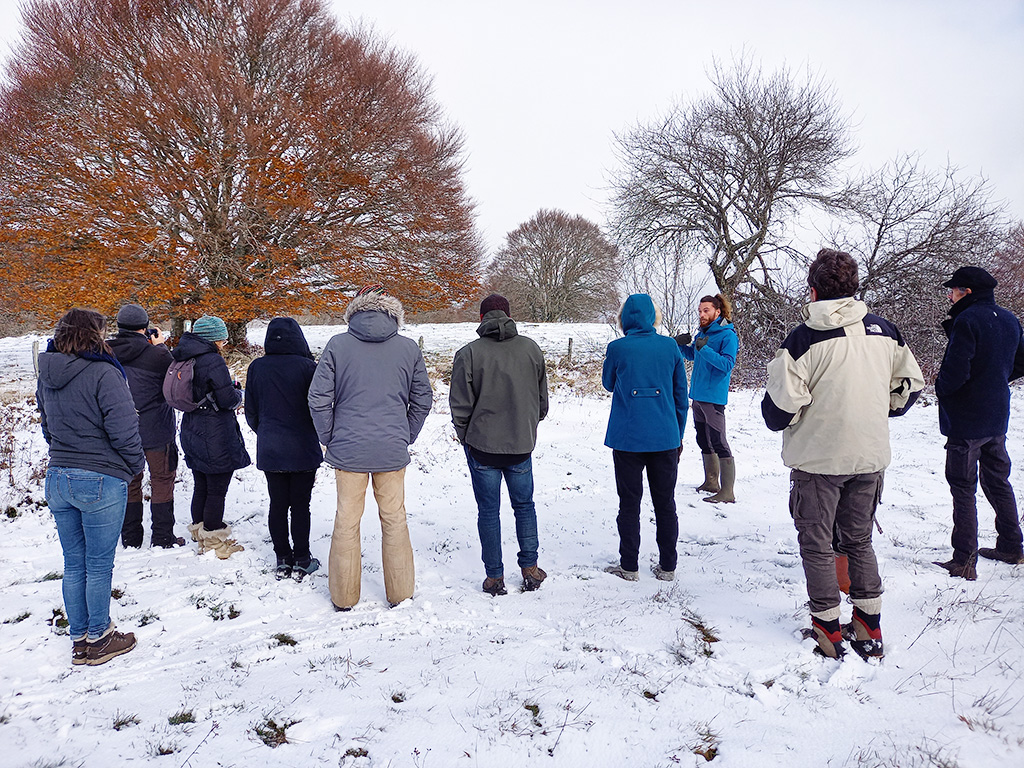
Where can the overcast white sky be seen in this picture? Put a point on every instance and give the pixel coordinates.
(540, 87)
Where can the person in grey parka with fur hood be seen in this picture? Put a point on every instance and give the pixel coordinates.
(369, 398)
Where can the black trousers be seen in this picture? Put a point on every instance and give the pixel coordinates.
(964, 457)
(662, 467)
(290, 490)
(208, 498)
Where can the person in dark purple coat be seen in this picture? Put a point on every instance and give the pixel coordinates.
(287, 448)
(210, 437)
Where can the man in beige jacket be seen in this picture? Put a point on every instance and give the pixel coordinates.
(832, 386)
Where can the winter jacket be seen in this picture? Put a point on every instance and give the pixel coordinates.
(210, 437)
(647, 378)
(985, 352)
(370, 394)
(499, 391)
(88, 416)
(276, 405)
(833, 385)
(146, 365)
(712, 363)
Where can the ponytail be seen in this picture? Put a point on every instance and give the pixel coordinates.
(719, 302)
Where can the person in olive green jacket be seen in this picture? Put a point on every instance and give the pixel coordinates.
(499, 395)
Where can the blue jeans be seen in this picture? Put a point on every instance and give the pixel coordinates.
(487, 489)
(88, 508)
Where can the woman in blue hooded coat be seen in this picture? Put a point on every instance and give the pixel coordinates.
(646, 375)
(287, 448)
(713, 353)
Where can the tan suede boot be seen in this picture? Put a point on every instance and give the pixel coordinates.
(219, 541)
(194, 529)
(711, 469)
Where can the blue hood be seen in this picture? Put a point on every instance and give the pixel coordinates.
(638, 314)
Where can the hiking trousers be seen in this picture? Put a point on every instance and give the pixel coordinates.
(821, 503)
(344, 571)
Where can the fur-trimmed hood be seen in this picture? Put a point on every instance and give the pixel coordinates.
(639, 313)
(374, 302)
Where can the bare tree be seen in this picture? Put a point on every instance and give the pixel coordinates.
(1008, 268)
(909, 228)
(557, 268)
(724, 172)
(674, 277)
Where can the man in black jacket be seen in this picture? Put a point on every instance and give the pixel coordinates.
(145, 360)
(985, 352)
(499, 394)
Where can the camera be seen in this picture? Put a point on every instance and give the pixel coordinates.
(151, 332)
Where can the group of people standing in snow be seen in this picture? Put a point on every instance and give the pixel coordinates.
(832, 386)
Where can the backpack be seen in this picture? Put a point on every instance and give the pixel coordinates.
(177, 386)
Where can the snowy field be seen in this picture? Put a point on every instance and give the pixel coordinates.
(589, 671)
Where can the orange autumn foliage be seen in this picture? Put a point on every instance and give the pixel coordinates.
(245, 158)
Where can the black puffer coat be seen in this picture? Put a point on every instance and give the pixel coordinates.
(210, 437)
(276, 388)
(145, 365)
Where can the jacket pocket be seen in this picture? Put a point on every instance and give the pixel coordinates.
(646, 392)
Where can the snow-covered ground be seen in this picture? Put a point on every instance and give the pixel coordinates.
(588, 671)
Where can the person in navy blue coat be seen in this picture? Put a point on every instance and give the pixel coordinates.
(210, 437)
(985, 352)
(713, 352)
(646, 375)
(287, 449)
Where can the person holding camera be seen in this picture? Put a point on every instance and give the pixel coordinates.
(142, 353)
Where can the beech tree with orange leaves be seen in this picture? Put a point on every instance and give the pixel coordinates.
(237, 157)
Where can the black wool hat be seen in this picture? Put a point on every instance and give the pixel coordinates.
(493, 302)
(971, 277)
(132, 317)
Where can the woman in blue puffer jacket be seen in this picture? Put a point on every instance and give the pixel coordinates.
(713, 353)
(646, 375)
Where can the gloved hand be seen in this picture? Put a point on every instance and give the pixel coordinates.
(683, 339)
(701, 342)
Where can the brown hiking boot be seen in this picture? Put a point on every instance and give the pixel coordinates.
(532, 578)
(1003, 557)
(107, 647)
(962, 570)
(80, 651)
(495, 586)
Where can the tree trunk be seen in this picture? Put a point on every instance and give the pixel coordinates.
(236, 333)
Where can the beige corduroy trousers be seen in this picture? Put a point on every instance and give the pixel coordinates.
(344, 572)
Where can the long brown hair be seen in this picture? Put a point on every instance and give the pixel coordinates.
(81, 330)
(719, 302)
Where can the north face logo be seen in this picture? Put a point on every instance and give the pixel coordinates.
(873, 328)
